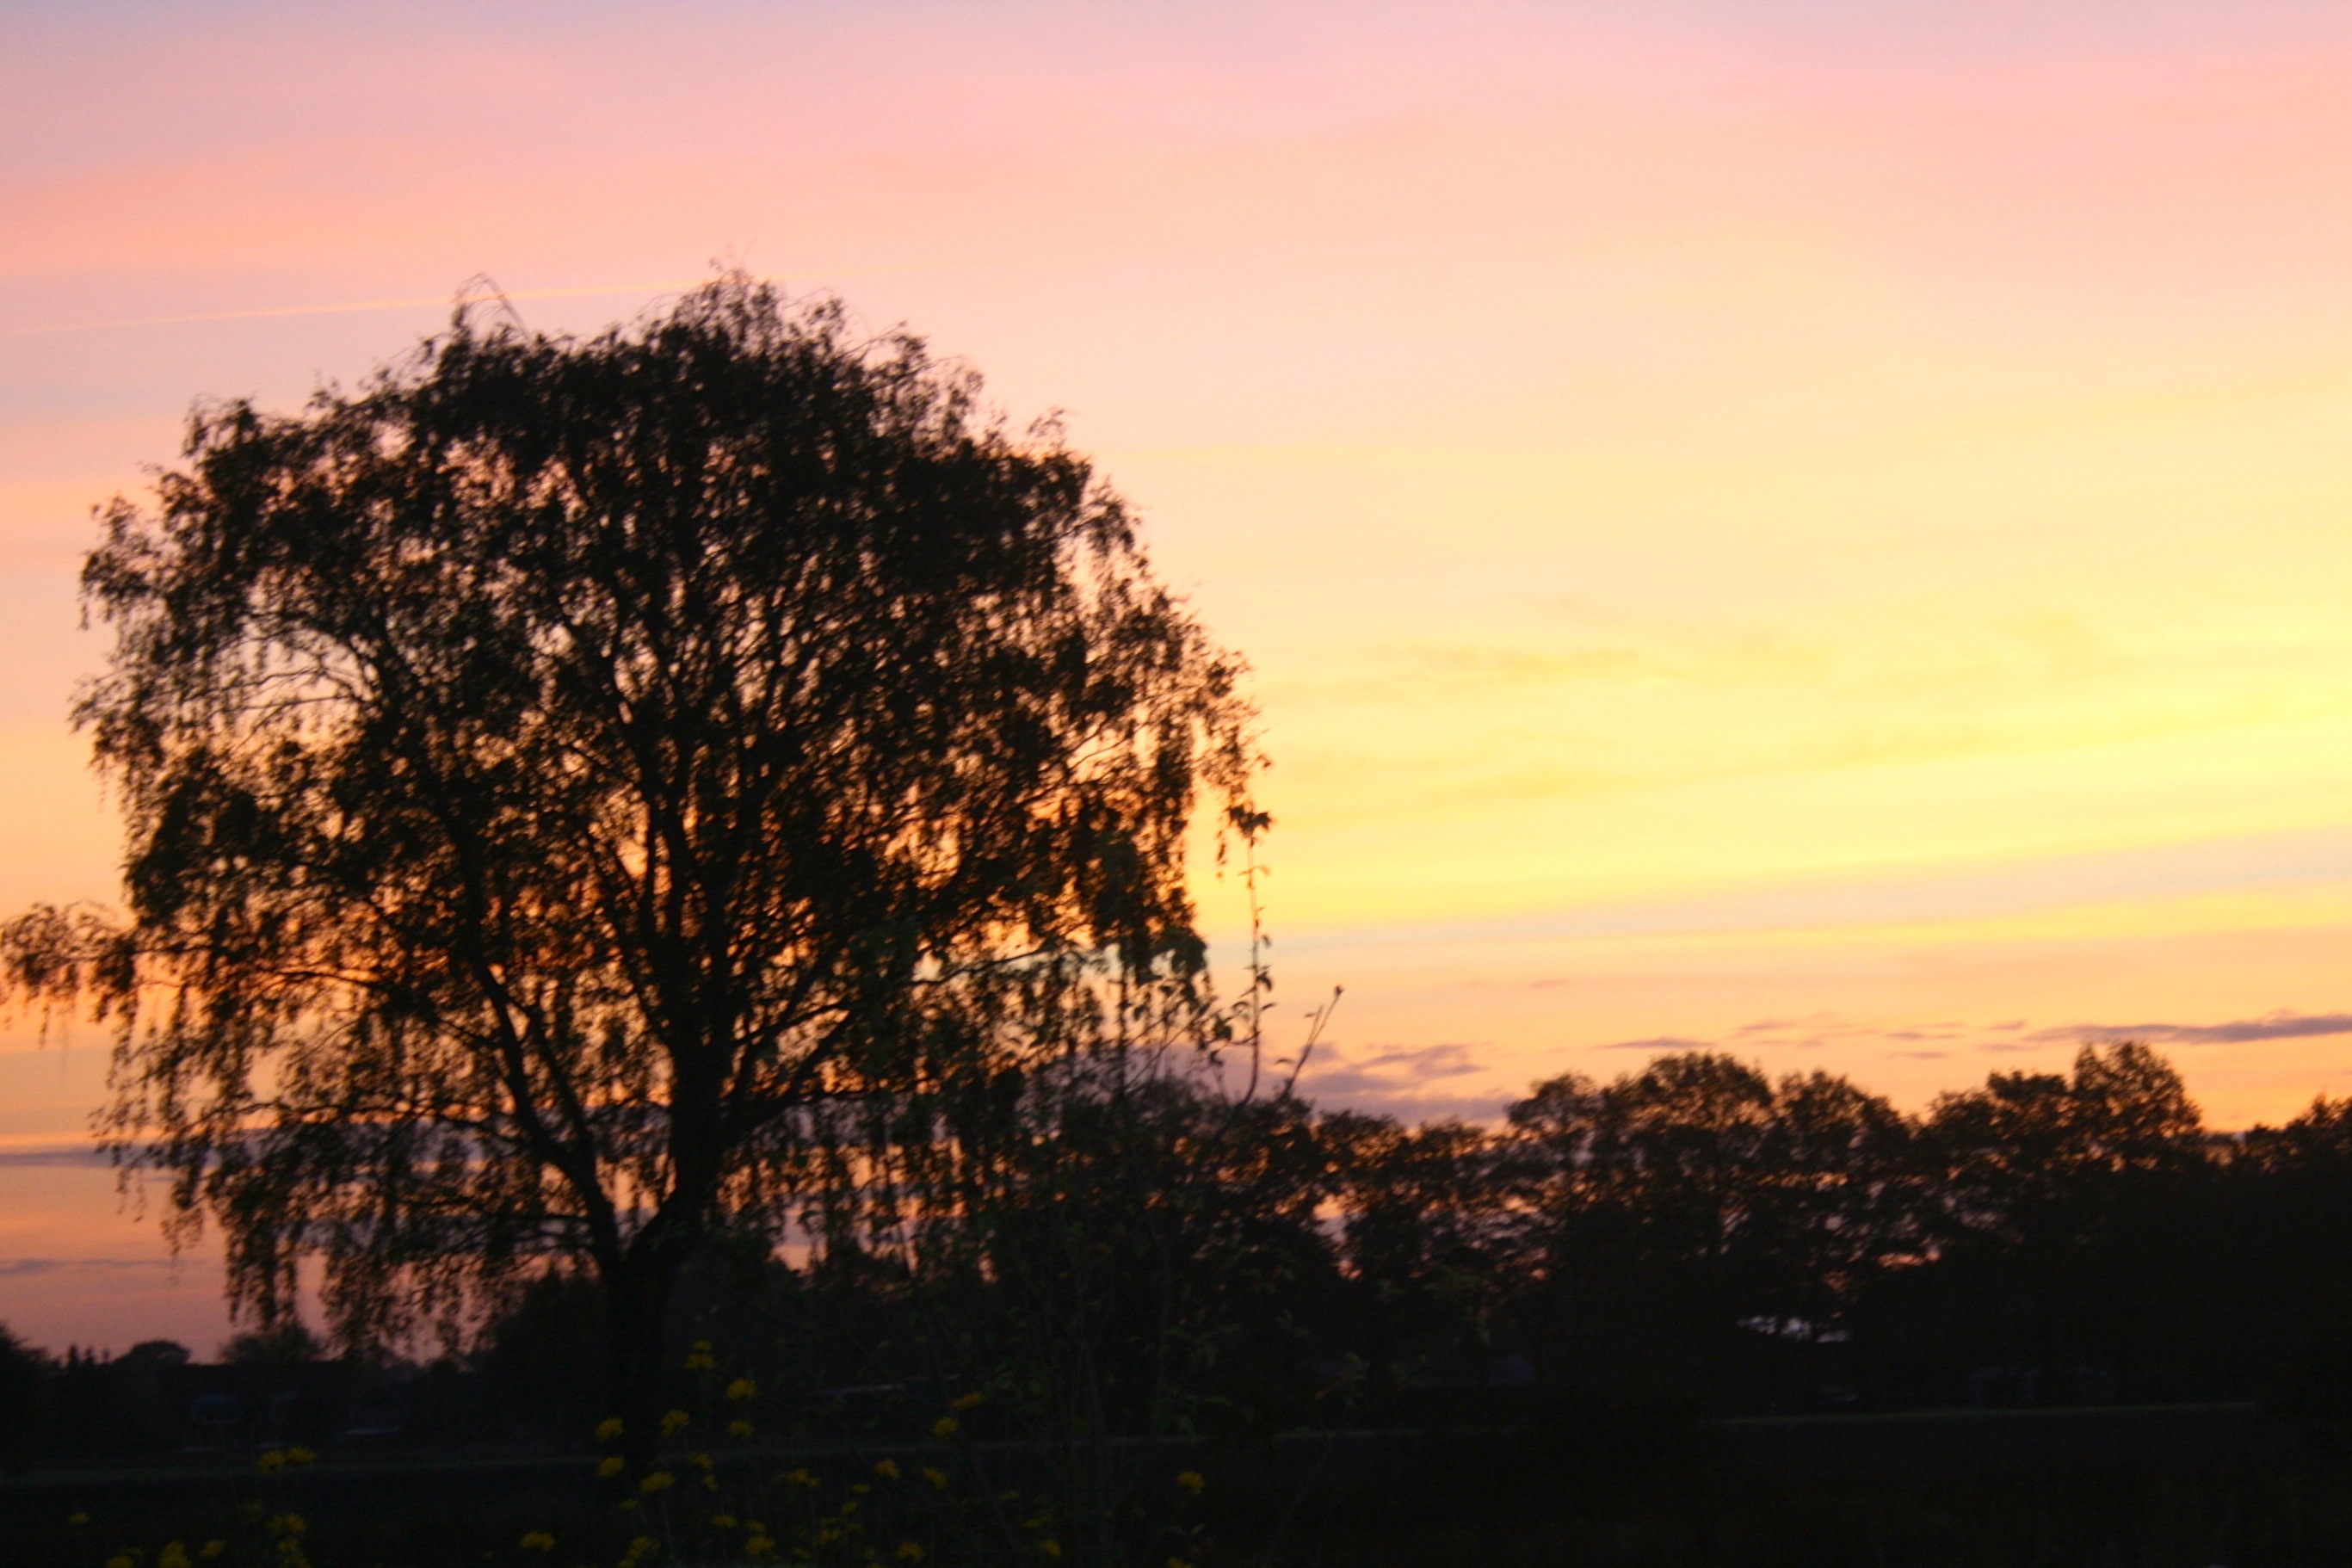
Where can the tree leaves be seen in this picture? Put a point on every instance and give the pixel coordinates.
(550, 764)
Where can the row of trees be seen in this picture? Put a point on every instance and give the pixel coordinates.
(1118, 1243)
(1692, 1230)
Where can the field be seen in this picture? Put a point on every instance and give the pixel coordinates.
(2170, 1487)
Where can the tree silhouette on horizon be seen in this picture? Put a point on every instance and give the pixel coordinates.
(550, 768)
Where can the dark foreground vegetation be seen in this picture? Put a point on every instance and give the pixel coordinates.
(1692, 1315)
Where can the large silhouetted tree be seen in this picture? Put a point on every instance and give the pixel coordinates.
(551, 766)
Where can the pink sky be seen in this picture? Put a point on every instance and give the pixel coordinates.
(1815, 529)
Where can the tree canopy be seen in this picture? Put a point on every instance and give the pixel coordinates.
(550, 765)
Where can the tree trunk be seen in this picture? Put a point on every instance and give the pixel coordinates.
(637, 1323)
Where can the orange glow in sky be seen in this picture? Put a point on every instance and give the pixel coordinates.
(1822, 530)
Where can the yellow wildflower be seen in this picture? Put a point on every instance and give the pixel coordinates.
(644, 1546)
(211, 1550)
(538, 1541)
(859, 1488)
(612, 1465)
(741, 1389)
(1178, 1563)
(723, 1520)
(1193, 1481)
(936, 1476)
(701, 1461)
(738, 1430)
(945, 1427)
(122, 1560)
(909, 1551)
(759, 1546)
(272, 1462)
(1050, 1548)
(77, 1519)
(676, 1421)
(658, 1481)
(800, 1479)
(970, 1401)
(608, 1428)
(174, 1555)
(299, 1455)
(888, 1470)
(288, 1524)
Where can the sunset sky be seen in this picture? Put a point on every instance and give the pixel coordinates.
(1820, 529)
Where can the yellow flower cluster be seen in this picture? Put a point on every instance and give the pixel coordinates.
(674, 1422)
(945, 1427)
(1193, 1481)
(608, 1428)
(658, 1481)
(538, 1541)
(700, 1359)
(741, 1389)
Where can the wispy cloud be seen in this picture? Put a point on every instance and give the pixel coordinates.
(1934, 1040)
(1415, 1083)
(2279, 1025)
(54, 1154)
(21, 1268)
(1816, 1032)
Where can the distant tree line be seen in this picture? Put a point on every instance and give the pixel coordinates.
(1119, 1243)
